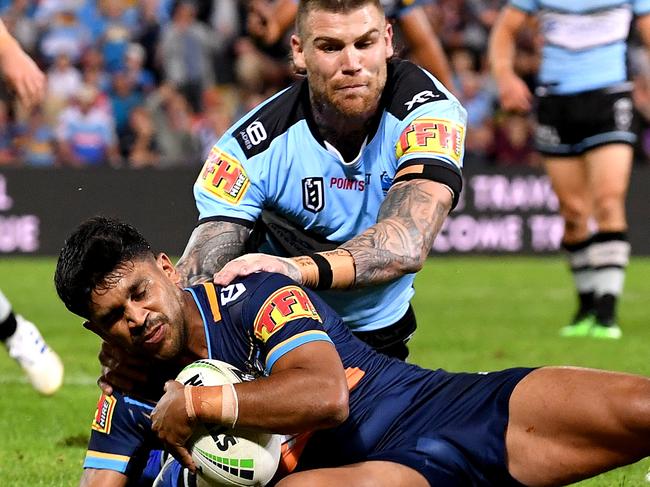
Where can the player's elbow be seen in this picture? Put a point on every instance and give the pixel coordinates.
(335, 407)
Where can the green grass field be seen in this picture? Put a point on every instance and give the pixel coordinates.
(473, 313)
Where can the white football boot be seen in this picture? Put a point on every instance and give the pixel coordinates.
(42, 365)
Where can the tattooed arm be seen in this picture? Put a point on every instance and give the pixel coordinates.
(211, 246)
(409, 220)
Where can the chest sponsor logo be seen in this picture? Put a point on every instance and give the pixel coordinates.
(224, 177)
(433, 136)
(313, 196)
(350, 184)
(284, 305)
(104, 415)
(422, 97)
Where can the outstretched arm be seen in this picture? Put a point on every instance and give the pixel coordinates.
(409, 220)
(20, 70)
(210, 247)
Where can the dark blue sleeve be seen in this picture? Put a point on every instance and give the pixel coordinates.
(120, 431)
(282, 317)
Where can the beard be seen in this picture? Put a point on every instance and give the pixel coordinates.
(353, 106)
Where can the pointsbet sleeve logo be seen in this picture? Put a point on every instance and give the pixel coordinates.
(224, 176)
(433, 136)
(285, 304)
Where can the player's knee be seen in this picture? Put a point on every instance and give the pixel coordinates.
(609, 209)
(575, 213)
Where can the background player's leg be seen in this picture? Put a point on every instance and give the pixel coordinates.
(567, 424)
(365, 474)
(26, 345)
(609, 170)
(570, 182)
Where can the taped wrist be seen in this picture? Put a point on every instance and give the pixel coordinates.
(333, 269)
(213, 404)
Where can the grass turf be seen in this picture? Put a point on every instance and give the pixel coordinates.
(473, 314)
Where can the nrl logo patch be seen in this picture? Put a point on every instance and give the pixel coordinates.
(313, 197)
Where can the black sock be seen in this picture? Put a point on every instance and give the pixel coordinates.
(587, 305)
(8, 327)
(606, 309)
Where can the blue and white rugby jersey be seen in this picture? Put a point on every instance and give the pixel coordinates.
(275, 159)
(584, 41)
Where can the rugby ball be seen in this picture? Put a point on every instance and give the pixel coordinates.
(229, 457)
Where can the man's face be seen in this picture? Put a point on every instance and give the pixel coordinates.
(140, 308)
(344, 55)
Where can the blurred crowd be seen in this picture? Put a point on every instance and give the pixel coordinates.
(157, 82)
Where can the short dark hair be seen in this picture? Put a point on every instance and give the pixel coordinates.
(333, 6)
(91, 256)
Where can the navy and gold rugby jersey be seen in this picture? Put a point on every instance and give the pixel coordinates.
(251, 324)
(274, 159)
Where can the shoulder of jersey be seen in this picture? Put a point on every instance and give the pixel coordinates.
(247, 286)
(408, 87)
(258, 129)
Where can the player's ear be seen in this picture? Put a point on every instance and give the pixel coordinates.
(297, 53)
(388, 37)
(165, 263)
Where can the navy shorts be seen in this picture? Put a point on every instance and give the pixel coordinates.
(454, 432)
(569, 125)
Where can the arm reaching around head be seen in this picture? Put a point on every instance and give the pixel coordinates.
(409, 220)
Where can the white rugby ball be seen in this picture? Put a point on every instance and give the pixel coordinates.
(229, 457)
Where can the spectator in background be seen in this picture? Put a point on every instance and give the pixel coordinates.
(474, 93)
(63, 79)
(115, 25)
(148, 34)
(139, 145)
(185, 53)
(513, 141)
(65, 35)
(124, 99)
(86, 134)
(7, 134)
(172, 119)
(141, 78)
(36, 141)
(94, 69)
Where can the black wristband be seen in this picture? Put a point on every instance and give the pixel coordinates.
(325, 275)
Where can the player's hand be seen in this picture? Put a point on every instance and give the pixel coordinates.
(514, 93)
(122, 371)
(170, 422)
(250, 263)
(21, 72)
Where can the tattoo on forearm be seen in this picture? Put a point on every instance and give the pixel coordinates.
(409, 220)
(211, 246)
